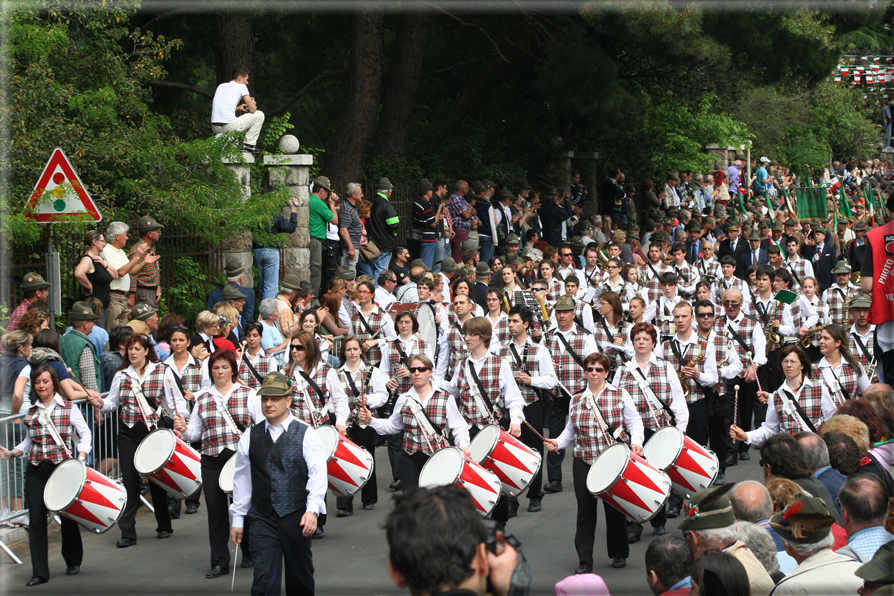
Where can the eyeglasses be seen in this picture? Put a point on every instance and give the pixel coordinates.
(598, 369)
(417, 369)
(298, 347)
(362, 292)
(705, 315)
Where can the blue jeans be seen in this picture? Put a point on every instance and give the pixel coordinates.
(439, 255)
(427, 252)
(485, 247)
(364, 268)
(379, 265)
(267, 260)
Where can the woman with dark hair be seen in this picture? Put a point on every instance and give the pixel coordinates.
(255, 364)
(719, 573)
(49, 414)
(396, 353)
(863, 410)
(371, 324)
(838, 370)
(497, 316)
(800, 404)
(141, 386)
(220, 416)
(463, 286)
(94, 273)
(310, 323)
(496, 265)
(611, 331)
(554, 286)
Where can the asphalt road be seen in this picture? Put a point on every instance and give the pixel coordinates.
(349, 560)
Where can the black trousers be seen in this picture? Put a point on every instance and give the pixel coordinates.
(128, 441)
(218, 503)
(697, 428)
(331, 261)
(555, 422)
(273, 539)
(411, 468)
(747, 402)
(534, 416)
(587, 513)
(72, 549)
(500, 512)
(369, 494)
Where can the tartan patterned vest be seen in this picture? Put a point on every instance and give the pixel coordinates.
(589, 438)
(658, 381)
(721, 351)
(299, 407)
(798, 270)
(654, 286)
(414, 440)
(593, 278)
(700, 349)
(362, 381)
(458, 349)
(837, 304)
(216, 432)
(745, 331)
(601, 337)
(501, 331)
(375, 322)
(795, 309)
(153, 391)
(489, 375)
(42, 444)
(262, 364)
(529, 365)
(810, 400)
(767, 316)
(554, 290)
(857, 351)
(567, 369)
(847, 380)
(822, 309)
(395, 362)
(685, 274)
(721, 286)
(191, 377)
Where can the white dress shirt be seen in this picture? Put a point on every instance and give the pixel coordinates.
(678, 400)
(338, 399)
(314, 457)
(633, 424)
(395, 423)
(444, 346)
(383, 298)
(687, 347)
(733, 367)
(758, 339)
(770, 425)
(85, 437)
(783, 314)
(387, 332)
(196, 426)
(862, 382)
(173, 400)
(206, 377)
(376, 391)
(809, 315)
(512, 397)
(545, 366)
(654, 312)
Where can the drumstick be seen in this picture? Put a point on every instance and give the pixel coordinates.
(235, 560)
(736, 406)
(534, 430)
(754, 368)
(173, 399)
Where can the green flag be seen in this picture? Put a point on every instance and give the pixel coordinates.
(844, 207)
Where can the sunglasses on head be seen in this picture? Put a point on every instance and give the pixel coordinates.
(179, 328)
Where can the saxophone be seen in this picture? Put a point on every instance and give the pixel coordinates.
(683, 379)
(772, 336)
(808, 339)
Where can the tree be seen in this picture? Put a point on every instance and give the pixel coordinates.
(234, 46)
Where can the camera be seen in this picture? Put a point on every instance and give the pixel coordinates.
(520, 585)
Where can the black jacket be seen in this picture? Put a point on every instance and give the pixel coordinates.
(382, 223)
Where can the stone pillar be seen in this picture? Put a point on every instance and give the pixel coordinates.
(887, 154)
(293, 171)
(238, 246)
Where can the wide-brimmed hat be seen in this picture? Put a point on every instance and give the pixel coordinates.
(384, 184)
(290, 281)
(425, 185)
(659, 236)
(448, 264)
(419, 263)
(275, 383)
(34, 281)
(147, 223)
(806, 520)
(81, 311)
(577, 241)
(142, 311)
(693, 226)
(708, 509)
(532, 254)
(231, 292)
(233, 268)
(323, 182)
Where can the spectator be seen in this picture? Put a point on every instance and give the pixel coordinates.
(233, 296)
(409, 294)
(612, 195)
(445, 226)
(145, 284)
(207, 328)
(289, 286)
(816, 456)
(34, 288)
(363, 211)
(864, 509)
(668, 561)
(46, 350)
(78, 352)
(844, 455)
(235, 273)
(382, 225)
(265, 247)
(227, 336)
(426, 220)
(554, 211)
(233, 108)
(33, 321)
(322, 209)
(119, 289)
(858, 430)
(461, 213)
(385, 286)
(487, 232)
(148, 314)
(94, 274)
(719, 573)
(165, 328)
(878, 572)
(881, 397)
(350, 227)
(111, 359)
(752, 503)
(272, 339)
(98, 336)
(761, 543)
(399, 265)
(805, 526)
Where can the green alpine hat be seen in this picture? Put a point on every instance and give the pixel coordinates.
(425, 185)
(754, 235)
(275, 383)
(384, 184)
(148, 223)
(482, 270)
(806, 520)
(291, 282)
(881, 567)
(488, 184)
(842, 267)
(861, 300)
(513, 239)
(708, 509)
(791, 222)
(323, 182)
(764, 224)
(448, 264)
(34, 281)
(233, 268)
(693, 226)
(344, 273)
(659, 236)
(577, 241)
(777, 226)
(231, 292)
(142, 311)
(861, 227)
(470, 244)
(419, 263)
(477, 186)
(81, 311)
(564, 302)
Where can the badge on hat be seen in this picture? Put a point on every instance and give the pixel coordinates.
(448, 264)
(564, 302)
(33, 281)
(513, 239)
(275, 383)
(81, 311)
(709, 508)
(322, 182)
(143, 311)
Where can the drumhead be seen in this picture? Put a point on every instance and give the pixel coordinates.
(64, 485)
(607, 468)
(227, 475)
(428, 330)
(663, 449)
(484, 442)
(443, 468)
(329, 436)
(154, 451)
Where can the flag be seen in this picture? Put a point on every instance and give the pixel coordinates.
(844, 208)
(741, 204)
(837, 79)
(811, 202)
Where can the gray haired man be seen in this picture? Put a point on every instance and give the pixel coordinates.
(113, 253)
(349, 226)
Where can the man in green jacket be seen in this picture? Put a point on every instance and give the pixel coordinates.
(78, 352)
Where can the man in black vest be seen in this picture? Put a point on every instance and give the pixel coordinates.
(280, 482)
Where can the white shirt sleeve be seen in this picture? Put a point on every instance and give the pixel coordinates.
(678, 401)
(512, 397)
(457, 424)
(317, 475)
(387, 330)
(587, 318)
(787, 326)
(769, 427)
(337, 396)
(808, 312)
(708, 377)
(632, 420)
(343, 317)
(733, 367)
(394, 423)
(377, 394)
(566, 438)
(385, 364)
(196, 426)
(110, 403)
(547, 377)
(760, 346)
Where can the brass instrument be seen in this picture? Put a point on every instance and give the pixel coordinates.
(601, 255)
(807, 341)
(543, 311)
(772, 336)
(682, 377)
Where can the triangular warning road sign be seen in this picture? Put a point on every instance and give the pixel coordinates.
(59, 191)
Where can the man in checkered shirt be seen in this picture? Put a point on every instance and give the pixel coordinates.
(34, 288)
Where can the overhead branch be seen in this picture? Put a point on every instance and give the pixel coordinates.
(175, 85)
(167, 15)
(326, 74)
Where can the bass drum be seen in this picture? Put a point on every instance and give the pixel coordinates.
(428, 329)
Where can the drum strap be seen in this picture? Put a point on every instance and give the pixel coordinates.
(425, 423)
(832, 382)
(792, 402)
(251, 368)
(478, 393)
(643, 383)
(222, 409)
(142, 404)
(737, 337)
(366, 326)
(863, 348)
(400, 351)
(47, 423)
(315, 416)
(591, 403)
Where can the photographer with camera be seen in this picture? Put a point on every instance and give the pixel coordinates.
(439, 544)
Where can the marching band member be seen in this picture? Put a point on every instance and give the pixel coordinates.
(660, 312)
(423, 413)
(729, 281)
(611, 330)
(799, 268)
(804, 316)
(800, 404)
(707, 264)
(860, 336)
(310, 322)
(453, 349)
(655, 389)
(840, 294)
(583, 312)
(655, 268)
(566, 263)
(703, 292)
(591, 274)
(615, 283)
(496, 316)
(775, 316)
(280, 490)
(50, 422)
(636, 310)
(555, 287)
(255, 364)
(568, 344)
(838, 370)
(424, 288)
(372, 324)
(543, 314)
(534, 372)
(142, 390)
(598, 417)
(464, 287)
(364, 386)
(687, 276)
(509, 284)
(220, 416)
(630, 275)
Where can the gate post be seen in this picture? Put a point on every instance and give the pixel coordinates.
(293, 172)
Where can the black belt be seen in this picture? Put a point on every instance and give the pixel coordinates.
(218, 124)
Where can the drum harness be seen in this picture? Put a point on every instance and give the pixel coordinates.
(143, 405)
(834, 384)
(789, 403)
(355, 415)
(651, 399)
(606, 431)
(479, 394)
(222, 409)
(520, 362)
(426, 424)
(314, 414)
(47, 423)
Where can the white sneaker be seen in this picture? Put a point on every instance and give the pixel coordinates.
(20, 522)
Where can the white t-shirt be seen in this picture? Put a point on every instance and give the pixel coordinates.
(226, 98)
(117, 258)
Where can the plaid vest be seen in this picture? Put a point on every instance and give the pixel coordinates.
(42, 444)
(822, 309)
(395, 362)
(299, 407)
(375, 322)
(262, 365)
(458, 349)
(857, 351)
(529, 365)
(658, 381)
(569, 372)
(764, 318)
(810, 400)
(216, 433)
(153, 391)
(489, 375)
(614, 356)
(501, 331)
(795, 309)
(711, 268)
(191, 376)
(798, 270)
(664, 318)
(699, 349)
(554, 290)
(745, 331)
(847, 380)
(721, 351)
(414, 440)
(593, 278)
(685, 274)
(361, 381)
(654, 286)
(837, 304)
(589, 438)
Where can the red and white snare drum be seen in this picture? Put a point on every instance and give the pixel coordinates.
(514, 463)
(451, 466)
(85, 496)
(690, 466)
(169, 462)
(348, 465)
(628, 483)
(227, 474)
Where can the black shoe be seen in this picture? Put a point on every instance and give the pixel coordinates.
(247, 563)
(673, 512)
(250, 149)
(36, 581)
(344, 513)
(174, 514)
(369, 507)
(513, 512)
(732, 460)
(319, 533)
(73, 570)
(216, 572)
(634, 536)
(534, 507)
(192, 509)
(744, 456)
(720, 480)
(583, 568)
(619, 562)
(394, 485)
(660, 531)
(163, 534)
(125, 542)
(553, 486)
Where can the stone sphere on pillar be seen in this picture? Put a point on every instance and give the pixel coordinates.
(289, 144)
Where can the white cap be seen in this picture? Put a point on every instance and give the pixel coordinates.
(765, 159)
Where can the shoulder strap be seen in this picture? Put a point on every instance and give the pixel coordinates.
(737, 337)
(570, 350)
(632, 367)
(400, 351)
(481, 391)
(47, 422)
(251, 368)
(313, 384)
(799, 409)
(863, 347)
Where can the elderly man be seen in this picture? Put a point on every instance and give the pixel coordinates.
(145, 284)
(384, 296)
(272, 341)
(864, 507)
(816, 456)
(668, 561)
(712, 527)
(350, 228)
(235, 273)
(878, 571)
(806, 529)
(288, 288)
(113, 253)
(232, 294)
(78, 352)
(752, 503)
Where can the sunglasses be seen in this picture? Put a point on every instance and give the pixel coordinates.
(731, 304)
(538, 289)
(363, 292)
(598, 369)
(705, 315)
(298, 347)
(417, 369)
(566, 254)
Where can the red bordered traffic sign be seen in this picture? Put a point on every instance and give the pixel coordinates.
(59, 191)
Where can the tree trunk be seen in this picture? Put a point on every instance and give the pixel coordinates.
(358, 122)
(234, 46)
(396, 120)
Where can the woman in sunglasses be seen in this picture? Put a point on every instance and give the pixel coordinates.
(423, 414)
(585, 431)
(371, 324)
